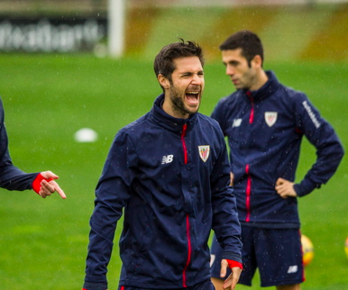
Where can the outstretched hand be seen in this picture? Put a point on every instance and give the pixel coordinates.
(49, 186)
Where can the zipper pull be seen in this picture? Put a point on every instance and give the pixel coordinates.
(184, 129)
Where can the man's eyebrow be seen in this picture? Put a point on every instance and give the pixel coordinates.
(230, 62)
(190, 72)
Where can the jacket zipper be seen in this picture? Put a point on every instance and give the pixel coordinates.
(248, 188)
(183, 142)
(187, 216)
(189, 251)
(248, 192)
(251, 117)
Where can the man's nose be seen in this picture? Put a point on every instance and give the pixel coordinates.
(229, 70)
(197, 79)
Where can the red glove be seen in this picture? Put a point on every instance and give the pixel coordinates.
(233, 264)
(37, 182)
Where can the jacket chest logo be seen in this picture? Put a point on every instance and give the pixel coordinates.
(236, 122)
(167, 159)
(271, 118)
(204, 152)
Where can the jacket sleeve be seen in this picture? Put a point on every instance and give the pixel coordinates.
(225, 217)
(112, 194)
(218, 114)
(11, 177)
(329, 149)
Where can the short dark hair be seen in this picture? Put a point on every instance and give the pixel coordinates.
(248, 41)
(164, 60)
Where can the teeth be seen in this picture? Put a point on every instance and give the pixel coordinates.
(193, 93)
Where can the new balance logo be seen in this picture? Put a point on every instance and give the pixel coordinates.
(236, 122)
(167, 159)
(292, 269)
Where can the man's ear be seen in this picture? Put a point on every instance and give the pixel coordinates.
(257, 61)
(164, 82)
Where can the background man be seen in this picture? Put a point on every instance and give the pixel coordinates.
(13, 178)
(169, 170)
(265, 122)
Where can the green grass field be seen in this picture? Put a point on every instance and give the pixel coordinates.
(43, 243)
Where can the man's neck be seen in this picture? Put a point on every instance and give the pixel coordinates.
(261, 79)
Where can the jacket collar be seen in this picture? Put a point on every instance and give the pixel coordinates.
(266, 90)
(159, 116)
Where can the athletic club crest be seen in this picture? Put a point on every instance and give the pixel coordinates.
(271, 118)
(204, 152)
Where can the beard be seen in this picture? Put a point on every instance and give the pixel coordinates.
(178, 104)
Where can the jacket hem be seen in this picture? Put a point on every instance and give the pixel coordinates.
(271, 225)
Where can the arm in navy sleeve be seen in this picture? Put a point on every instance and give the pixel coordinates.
(11, 177)
(329, 149)
(225, 217)
(218, 114)
(112, 194)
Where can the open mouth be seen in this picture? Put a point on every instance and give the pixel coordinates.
(192, 97)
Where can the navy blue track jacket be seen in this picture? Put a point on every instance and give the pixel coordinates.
(264, 130)
(171, 177)
(11, 177)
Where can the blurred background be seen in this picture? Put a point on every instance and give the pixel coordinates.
(69, 65)
(290, 29)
